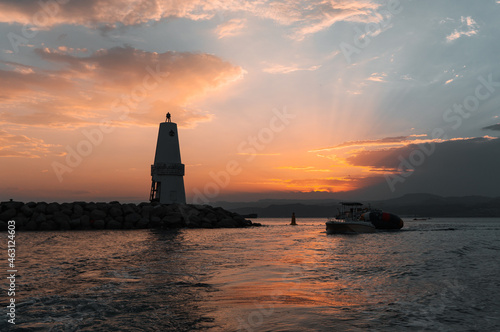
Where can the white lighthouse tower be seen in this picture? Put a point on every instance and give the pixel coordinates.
(168, 172)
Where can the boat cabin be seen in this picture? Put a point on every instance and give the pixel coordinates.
(351, 210)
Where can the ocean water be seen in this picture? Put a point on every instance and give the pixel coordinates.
(433, 275)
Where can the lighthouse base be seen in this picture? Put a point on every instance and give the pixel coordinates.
(168, 191)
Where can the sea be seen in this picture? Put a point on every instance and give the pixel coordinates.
(432, 275)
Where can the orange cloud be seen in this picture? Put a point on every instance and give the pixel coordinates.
(23, 146)
(305, 17)
(378, 143)
(124, 85)
(281, 69)
(230, 28)
(329, 184)
(94, 13)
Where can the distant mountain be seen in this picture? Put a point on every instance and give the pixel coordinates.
(410, 205)
(286, 210)
(423, 205)
(263, 203)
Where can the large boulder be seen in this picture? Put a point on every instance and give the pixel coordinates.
(85, 222)
(113, 224)
(240, 221)
(67, 206)
(97, 214)
(77, 210)
(52, 208)
(62, 220)
(129, 208)
(158, 211)
(155, 222)
(132, 218)
(26, 210)
(226, 223)
(115, 211)
(99, 224)
(75, 223)
(90, 206)
(8, 214)
(20, 220)
(103, 206)
(40, 218)
(11, 205)
(41, 207)
(48, 225)
(128, 225)
(60, 217)
(210, 217)
(173, 220)
(144, 223)
(146, 211)
(193, 221)
(31, 225)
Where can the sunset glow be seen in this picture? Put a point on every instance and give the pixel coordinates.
(276, 99)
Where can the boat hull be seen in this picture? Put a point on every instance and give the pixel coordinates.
(383, 220)
(346, 227)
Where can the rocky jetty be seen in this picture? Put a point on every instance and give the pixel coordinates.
(89, 215)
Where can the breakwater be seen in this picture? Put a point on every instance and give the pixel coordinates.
(44, 216)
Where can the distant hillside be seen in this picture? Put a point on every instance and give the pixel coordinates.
(411, 205)
(263, 203)
(286, 210)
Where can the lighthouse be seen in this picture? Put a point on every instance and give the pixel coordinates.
(167, 172)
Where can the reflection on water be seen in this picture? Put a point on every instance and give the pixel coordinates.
(107, 280)
(432, 275)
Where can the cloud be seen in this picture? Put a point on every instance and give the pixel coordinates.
(98, 13)
(493, 127)
(329, 184)
(462, 166)
(281, 69)
(377, 77)
(26, 147)
(377, 143)
(124, 85)
(257, 154)
(468, 28)
(230, 28)
(304, 169)
(390, 158)
(310, 17)
(184, 117)
(419, 163)
(306, 17)
(17, 79)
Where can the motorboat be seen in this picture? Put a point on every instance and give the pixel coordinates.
(353, 218)
(348, 220)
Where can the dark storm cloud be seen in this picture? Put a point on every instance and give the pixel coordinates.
(493, 127)
(453, 168)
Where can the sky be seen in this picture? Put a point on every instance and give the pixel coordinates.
(274, 99)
